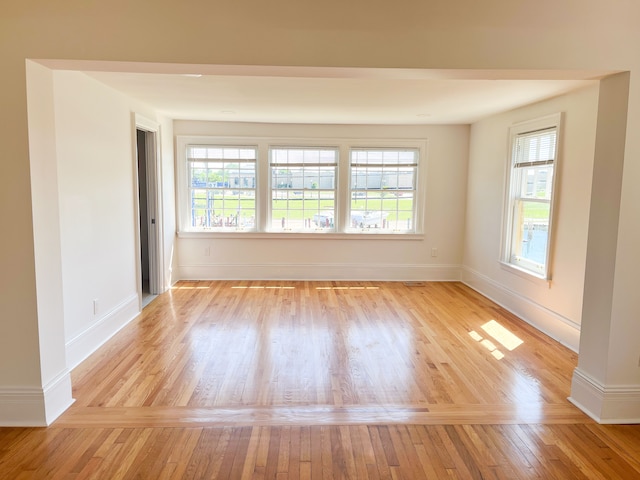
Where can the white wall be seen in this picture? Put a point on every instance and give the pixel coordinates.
(96, 179)
(97, 188)
(555, 306)
(360, 257)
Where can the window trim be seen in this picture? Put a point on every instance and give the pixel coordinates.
(521, 128)
(269, 228)
(184, 210)
(263, 184)
(355, 164)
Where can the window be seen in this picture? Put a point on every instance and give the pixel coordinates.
(533, 163)
(336, 187)
(383, 189)
(222, 187)
(303, 188)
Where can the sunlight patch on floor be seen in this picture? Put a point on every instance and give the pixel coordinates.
(347, 288)
(500, 334)
(507, 339)
(262, 287)
(189, 288)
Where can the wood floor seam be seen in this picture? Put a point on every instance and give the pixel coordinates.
(438, 414)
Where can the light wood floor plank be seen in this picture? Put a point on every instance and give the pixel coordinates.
(323, 380)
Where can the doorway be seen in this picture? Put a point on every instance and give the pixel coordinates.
(150, 259)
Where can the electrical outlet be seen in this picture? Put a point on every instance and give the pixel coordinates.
(207, 251)
(95, 306)
(434, 252)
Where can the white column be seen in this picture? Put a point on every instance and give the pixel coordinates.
(54, 391)
(606, 383)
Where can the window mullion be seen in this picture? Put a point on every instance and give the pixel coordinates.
(264, 189)
(343, 195)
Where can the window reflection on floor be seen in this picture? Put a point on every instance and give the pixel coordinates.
(500, 334)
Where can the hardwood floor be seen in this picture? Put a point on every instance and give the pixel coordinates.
(324, 380)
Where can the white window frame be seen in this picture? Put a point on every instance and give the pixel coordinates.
(509, 257)
(376, 216)
(302, 189)
(184, 210)
(263, 186)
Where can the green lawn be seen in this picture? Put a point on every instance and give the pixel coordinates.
(299, 209)
(535, 210)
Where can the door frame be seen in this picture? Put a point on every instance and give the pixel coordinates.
(155, 212)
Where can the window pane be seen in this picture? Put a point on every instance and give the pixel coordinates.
(223, 188)
(530, 233)
(198, 177)
(535, 182)
(536, 146)
(383, 184)
(303, 184)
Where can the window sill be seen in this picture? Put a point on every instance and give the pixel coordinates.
(526, 274)
(304, 235)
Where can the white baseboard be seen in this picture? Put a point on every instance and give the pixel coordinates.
(40, 406)
(57, 396)
(547, 321)
(372, 271)
(22, 407)
(84, 344)
(617, 404)
(35, 406)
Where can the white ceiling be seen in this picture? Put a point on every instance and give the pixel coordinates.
(333, 95)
